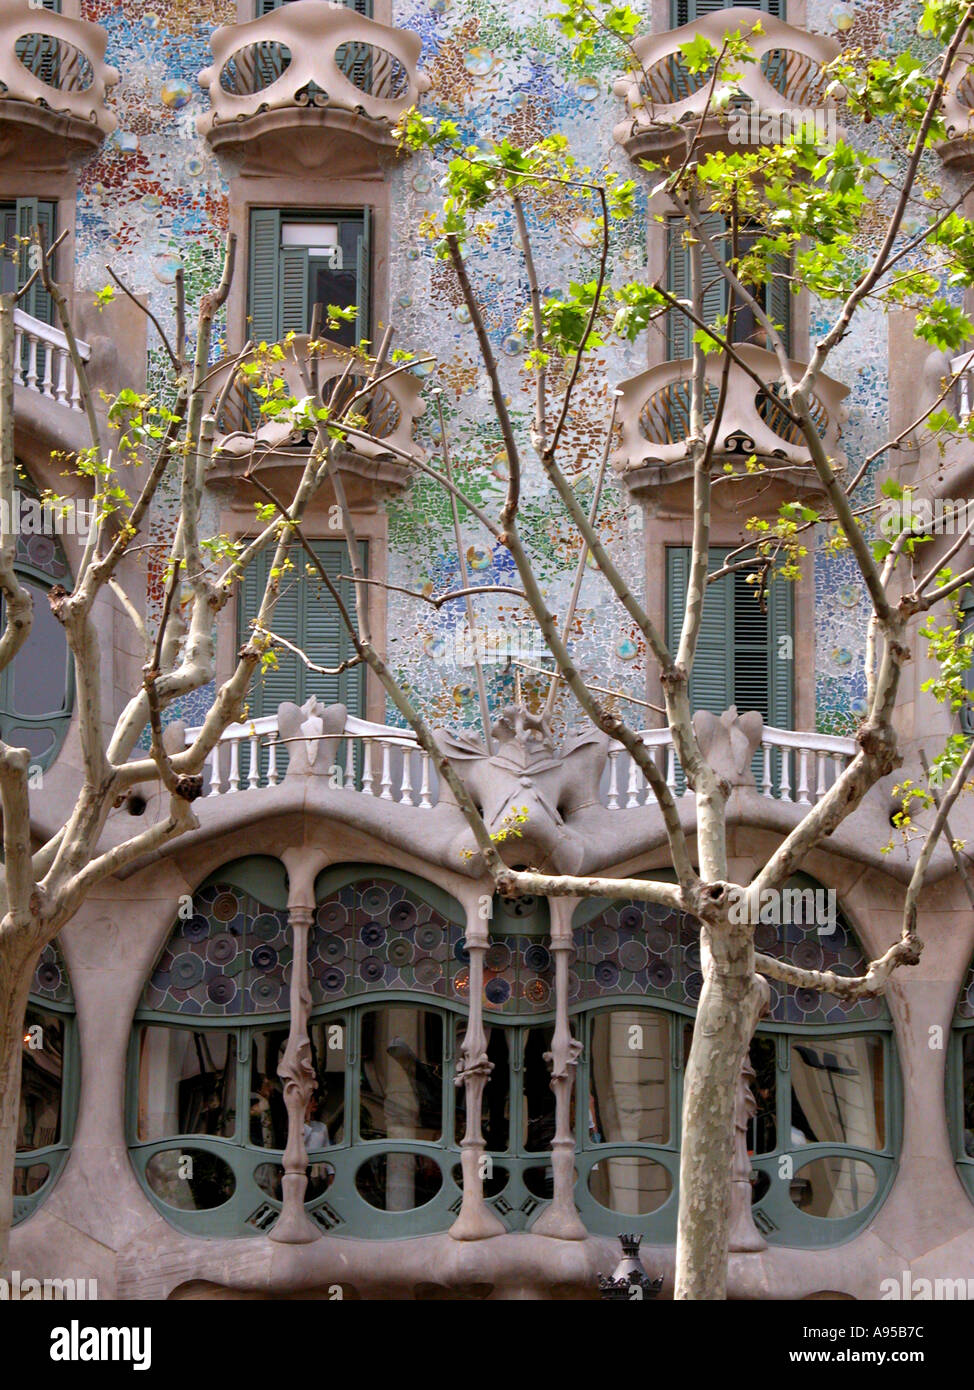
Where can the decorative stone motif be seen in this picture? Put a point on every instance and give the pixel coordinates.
(311, 733)
(728, 742)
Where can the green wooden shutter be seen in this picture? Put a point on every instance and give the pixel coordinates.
(294, 316)
(363, 276)
(307, 616)
(684, 11)
(33, 212)
(679, 329)
(779, 298)
(967, 627)
(781, 654)
(712, 677)
(265, 247)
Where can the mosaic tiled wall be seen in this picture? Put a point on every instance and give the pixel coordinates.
(155, 197)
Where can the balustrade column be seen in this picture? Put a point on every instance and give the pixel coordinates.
(561, 1219)
(476, 1221)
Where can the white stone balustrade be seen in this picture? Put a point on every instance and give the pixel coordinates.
(957, 151)
(42, 362)
(385, 762)
(962, 368)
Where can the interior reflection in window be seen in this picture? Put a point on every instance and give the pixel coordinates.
(496, 1106)
(762, 1130)
(833, 1186)
(969, 1094)
(268, 1113)
(539, 1099)
(837, 1093)
(187, 1082)
(41, 1075)
(324, 1119)
(629, 1096)
(401, 1074)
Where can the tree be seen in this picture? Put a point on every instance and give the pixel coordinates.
(790, 200)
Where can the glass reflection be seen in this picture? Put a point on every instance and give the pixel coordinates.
(837, 1092)
(629, 1087)
(399, 1182)
(833, 1186)
(187, 1082)
(539, 1100)
(190, 1179)
(496, 1104)
(41, 1078)
(268, 1113)
(324, 1121)
(629, 1185)
(401, 1074)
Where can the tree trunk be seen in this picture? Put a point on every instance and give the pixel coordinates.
(17, 961)
(730, 1005)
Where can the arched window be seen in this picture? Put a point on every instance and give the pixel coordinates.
(48, 1084)
(823, 1138)
(37, 688)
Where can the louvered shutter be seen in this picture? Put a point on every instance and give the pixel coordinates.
(683, 11)
(265, 248)
(779, 298)
(679, 329)
(363, 276)
(307, 616)
(294, 314)
(33, 212)
(712, 677)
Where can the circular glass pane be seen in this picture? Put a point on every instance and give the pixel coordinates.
(494, 1182)
(190, 1179)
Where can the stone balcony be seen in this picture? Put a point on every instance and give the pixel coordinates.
(53, 81)
(388, 412)
(311, 84)
(654, 421)
(666, 101)
(957, 151)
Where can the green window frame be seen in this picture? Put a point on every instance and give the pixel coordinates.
(40, 563)
(966, 628)
(17, 217)
(386, 912)
(959, 1082)
(262, 7)
(281, 279)
(686, 11)
(50, 1076)
(679, 329)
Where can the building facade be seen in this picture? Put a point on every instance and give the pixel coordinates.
(151, 1150)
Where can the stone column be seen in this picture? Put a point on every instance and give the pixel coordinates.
(476, 1220)
(294, 1226)
(561, 1219)
(744, 1235)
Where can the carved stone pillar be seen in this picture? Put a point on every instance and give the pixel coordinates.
(744, 1235)
(561, 1219)
(476, 1221)
(294, 1226)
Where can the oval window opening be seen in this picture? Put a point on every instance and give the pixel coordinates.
(630, 1186)
(834, 1187)
(254, 68)
(268, 1177)
(398, 1181)
(27, 1181)
(494, 1182)
(190, 1179)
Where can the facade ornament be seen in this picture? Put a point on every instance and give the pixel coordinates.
(744, 1234)
(529, 784)
(311, 734)
(728, 742)
(294, 1226)
(629, 1282)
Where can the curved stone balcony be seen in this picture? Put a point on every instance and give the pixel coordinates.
(53, 81)
(786, 81)
(957, 151)
(654, 421)
(283, 86)
(388, 413)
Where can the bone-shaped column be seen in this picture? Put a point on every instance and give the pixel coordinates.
(561, 1219)
(476, 1221)
(294, 1226)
